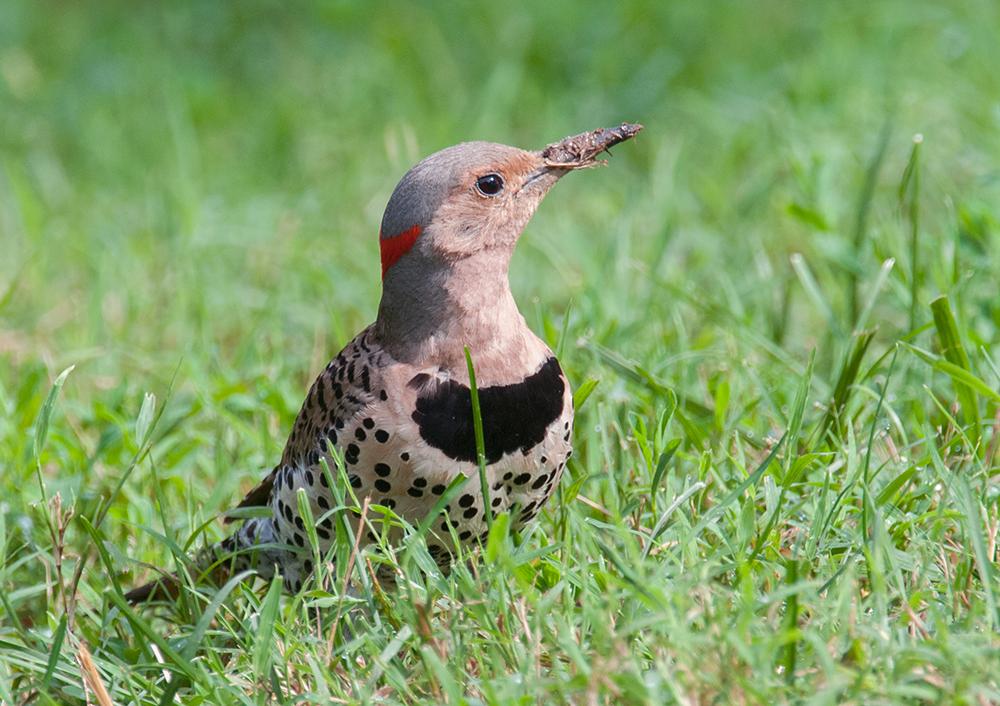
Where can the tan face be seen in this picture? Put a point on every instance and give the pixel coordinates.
(490, 204)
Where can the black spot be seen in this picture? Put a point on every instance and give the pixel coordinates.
(382, 470)
(466, 500)
(381, 436)
(371, 535)
(313, 457)
(338, 391)
(434, 549)
(404, 456)
(368, 423)
(439, 489)
(366, 379)
(359, 434)
(566, 437)
(383, 486)
(465, 535)
(383, 396)
(539, 481)
(322, 502)
(327, 523)
(514, 416)
(339, 424)
(332, 436)
(470, 513)
(300, 524)
(352, 450)
(350, 372)
(298, 540)
(323, 481)
(543, 460)
(388, 502)
(298, 583)
(288, 513)
(522, 479)
(496, 501)
(497, 485)
(507, 476)
(308, 566)
(420, 482)
(444, 526)
(415, 492)
(309, 478)
(355, 480)
(323, 534)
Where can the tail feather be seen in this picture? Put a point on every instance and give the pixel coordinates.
(239, 547)
(166, 588)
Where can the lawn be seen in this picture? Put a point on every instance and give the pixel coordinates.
(786, 289)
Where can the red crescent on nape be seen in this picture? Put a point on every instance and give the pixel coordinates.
(395, 247)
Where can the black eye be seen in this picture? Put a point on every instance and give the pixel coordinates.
(490, 185)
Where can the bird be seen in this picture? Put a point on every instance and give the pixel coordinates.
(396, 402)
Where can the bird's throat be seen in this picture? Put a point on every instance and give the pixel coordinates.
(428, 321)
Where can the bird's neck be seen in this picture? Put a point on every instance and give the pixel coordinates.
(430, 312)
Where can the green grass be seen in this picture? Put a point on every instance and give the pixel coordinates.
(785, 485)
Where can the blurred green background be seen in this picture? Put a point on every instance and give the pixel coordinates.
(203, 182)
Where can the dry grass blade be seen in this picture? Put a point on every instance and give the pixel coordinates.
(92, 676)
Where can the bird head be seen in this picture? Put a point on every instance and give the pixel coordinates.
(476, 197)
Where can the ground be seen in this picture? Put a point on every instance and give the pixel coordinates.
(785, 481)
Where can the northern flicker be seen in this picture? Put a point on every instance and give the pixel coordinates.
(397, 400)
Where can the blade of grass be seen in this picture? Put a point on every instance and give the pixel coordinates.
(477, 421)
(954, 353)
(815, 293)
(583, 392)
(958, 375)
(798, 409)
(910, 186)
(560, 347)
(861, 222)
(42, 427)
(871, 443)
(55, 649)
(268, 615)
(732, 495)
(883, 275)
(842, 392)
